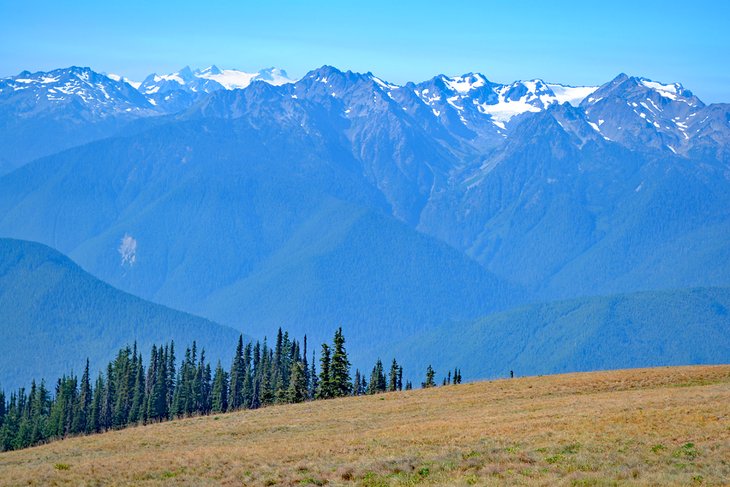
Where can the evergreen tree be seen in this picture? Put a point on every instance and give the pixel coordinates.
(324, 390)
(313, 380)
(247, 392)
(95, 413)
(220, 390)
(266, 392)
(206, 397)
(430, 382)
(400, 378)
(377, 379)
(107, 407)
(340, 367)
(297, 391)
(40, 405)
(238, 372)
(356, 383)
(83, 403)
(157, 404)
(123, 385)
(169, 374)
(256, 397)
(393, 377)
(137, 413)
(2, 407)
(307, 372)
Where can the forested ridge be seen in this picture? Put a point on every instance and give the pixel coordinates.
(129, 393)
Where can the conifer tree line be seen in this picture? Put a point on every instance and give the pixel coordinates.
(130, 392)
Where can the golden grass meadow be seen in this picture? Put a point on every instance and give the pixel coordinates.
(661, 426)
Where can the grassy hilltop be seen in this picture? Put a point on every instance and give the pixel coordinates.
(663, 426)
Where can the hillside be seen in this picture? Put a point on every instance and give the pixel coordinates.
(644, 329)
(642, 427)
(253, 223)
(53, 315)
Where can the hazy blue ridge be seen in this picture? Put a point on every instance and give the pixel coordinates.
(53, 315)
(643, 329)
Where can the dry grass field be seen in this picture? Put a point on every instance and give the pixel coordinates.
(663, 426)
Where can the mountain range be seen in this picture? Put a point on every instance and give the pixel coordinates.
(340, 198)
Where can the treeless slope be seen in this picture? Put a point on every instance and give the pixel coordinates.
(659, 426)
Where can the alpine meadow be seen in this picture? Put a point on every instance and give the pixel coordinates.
(364, 273)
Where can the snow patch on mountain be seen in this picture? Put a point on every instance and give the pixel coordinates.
(465, 83)
(573, 95)
(211, 79)
(667, 91)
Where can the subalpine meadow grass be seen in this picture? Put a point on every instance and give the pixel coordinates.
(662, 426)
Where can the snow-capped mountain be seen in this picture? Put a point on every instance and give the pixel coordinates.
(232, 79)
(176, 91)
(501, 102)
(94, 94)
(185, 80)
(640, 113)
(467, 115)
(44, 112)
(210, 79)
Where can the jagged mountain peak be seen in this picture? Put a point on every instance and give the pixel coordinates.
(212, 69)
(466, 82)
(91, 92)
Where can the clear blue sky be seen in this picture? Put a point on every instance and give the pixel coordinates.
(575, 42)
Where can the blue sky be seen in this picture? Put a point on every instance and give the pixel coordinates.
(574, 42)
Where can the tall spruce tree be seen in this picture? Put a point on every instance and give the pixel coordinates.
(305, 363)
(356, 384)
(107, 407)
(157, 404)
(170, 385)
(297, 390)
(393, 377)
(324, 390)
(430, 381)
(340, 367)
(377, 379)
(83, 403)
(95, 415)
(313, 379)
(220, 390)
(247, 392)
(137, 413)
(238, 372)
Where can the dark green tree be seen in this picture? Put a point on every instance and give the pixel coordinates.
(313, 379)
(238, 377)
(107, 407)
(377, 379)
(220, 390)
(297, 391)
(95, 413)
(430, 375)
(137, 412)
(340, 367)
(83, 403)
(393, 377)
(357, 384)
(324, 390)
